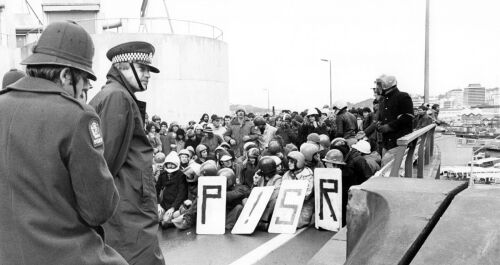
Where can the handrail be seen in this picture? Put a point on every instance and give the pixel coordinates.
(424, 140)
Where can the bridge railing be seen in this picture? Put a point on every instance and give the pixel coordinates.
(422, 141)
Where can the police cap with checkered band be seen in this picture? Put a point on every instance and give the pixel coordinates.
(133, 52)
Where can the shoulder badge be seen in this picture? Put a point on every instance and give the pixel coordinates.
(95, 133)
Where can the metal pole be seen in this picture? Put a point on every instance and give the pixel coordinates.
(330, 62)
(426, 70)
(268, 102)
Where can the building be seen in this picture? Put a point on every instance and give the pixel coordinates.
(454, 98)
(474, 95)
(193, 62)
(493, 96)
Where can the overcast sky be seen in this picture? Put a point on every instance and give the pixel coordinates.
(278, 44)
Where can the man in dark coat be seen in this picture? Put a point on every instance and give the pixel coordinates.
(395, 115)
(55, 187)
(132, 231)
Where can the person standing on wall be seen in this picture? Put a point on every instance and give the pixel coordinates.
(132, 231)
(395, 115)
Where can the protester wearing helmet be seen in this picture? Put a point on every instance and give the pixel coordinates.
(236, 195)
(128, 153)
(311, 155)
(201, 154)
(185, 158)
(356, 165)
(395, 115)
(267, 176)
(267, 132)
(239, 127)
(171, 189)
(158, 162)
(185, 217)
(312, 125)
(250, 167)
(340, 144)
(52, 161)
(299, 171)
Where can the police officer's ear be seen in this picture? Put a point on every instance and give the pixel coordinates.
(65, 77)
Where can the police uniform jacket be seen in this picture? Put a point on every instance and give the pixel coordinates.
(132, 230)
(396, 110)
(55, 185)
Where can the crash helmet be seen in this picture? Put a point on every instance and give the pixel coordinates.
(297, 158)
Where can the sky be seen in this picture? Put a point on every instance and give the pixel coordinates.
(278, 45)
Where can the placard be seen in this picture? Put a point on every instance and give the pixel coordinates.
(288, 206)
(328, 198)
(253, 210)
(211, 205)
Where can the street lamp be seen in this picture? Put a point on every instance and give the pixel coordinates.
(330, 63)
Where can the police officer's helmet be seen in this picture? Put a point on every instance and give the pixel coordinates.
(64, 44)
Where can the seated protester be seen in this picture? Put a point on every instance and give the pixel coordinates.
(154, 137)
(192, 152)
(201, 154)
(280, 170)
(158, 161)
(340, 144)
(356, 166)
(244, 158)
(211, 140)
(191, 139)
(179, 140)
(311, 155)
(313, 138)
(188, 219)
(299, 171)
(226, 161)
(273, 148)
(191, 172)
(235, 195)
(250, 167)
(324, 145)
(171, 188)
(185, 158)
(266, 176)
(335, 159)
(373, 158)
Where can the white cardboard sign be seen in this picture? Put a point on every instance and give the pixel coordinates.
(211, 206)
(253, 210)
(328, 198)
(288, 206)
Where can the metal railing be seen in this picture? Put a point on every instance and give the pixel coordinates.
(421, 140)
(161, 25)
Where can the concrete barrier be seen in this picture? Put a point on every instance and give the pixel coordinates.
(390, 218)
(468, 232)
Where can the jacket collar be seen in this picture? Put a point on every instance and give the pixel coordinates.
(391, 91)
(37, 85)
(115, 75)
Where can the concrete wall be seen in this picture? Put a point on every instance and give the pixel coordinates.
(193, 76)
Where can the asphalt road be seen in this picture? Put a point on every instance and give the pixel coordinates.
(186, 247)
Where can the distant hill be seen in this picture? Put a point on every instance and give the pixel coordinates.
(247, 108)
(362, 104)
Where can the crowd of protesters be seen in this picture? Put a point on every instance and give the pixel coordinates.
(262, 150)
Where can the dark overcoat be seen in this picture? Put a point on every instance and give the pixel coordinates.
(55, 186)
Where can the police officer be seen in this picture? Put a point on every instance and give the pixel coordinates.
(132, 230)
(55, 186)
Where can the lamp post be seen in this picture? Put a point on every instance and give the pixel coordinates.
(330, 63)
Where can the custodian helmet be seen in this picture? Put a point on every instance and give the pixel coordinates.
(66, 44)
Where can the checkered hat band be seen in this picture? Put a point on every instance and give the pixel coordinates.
(133, 57)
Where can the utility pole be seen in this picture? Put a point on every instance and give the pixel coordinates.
(426, 70)
(330, 63)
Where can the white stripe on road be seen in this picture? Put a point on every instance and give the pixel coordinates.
(259, 253)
